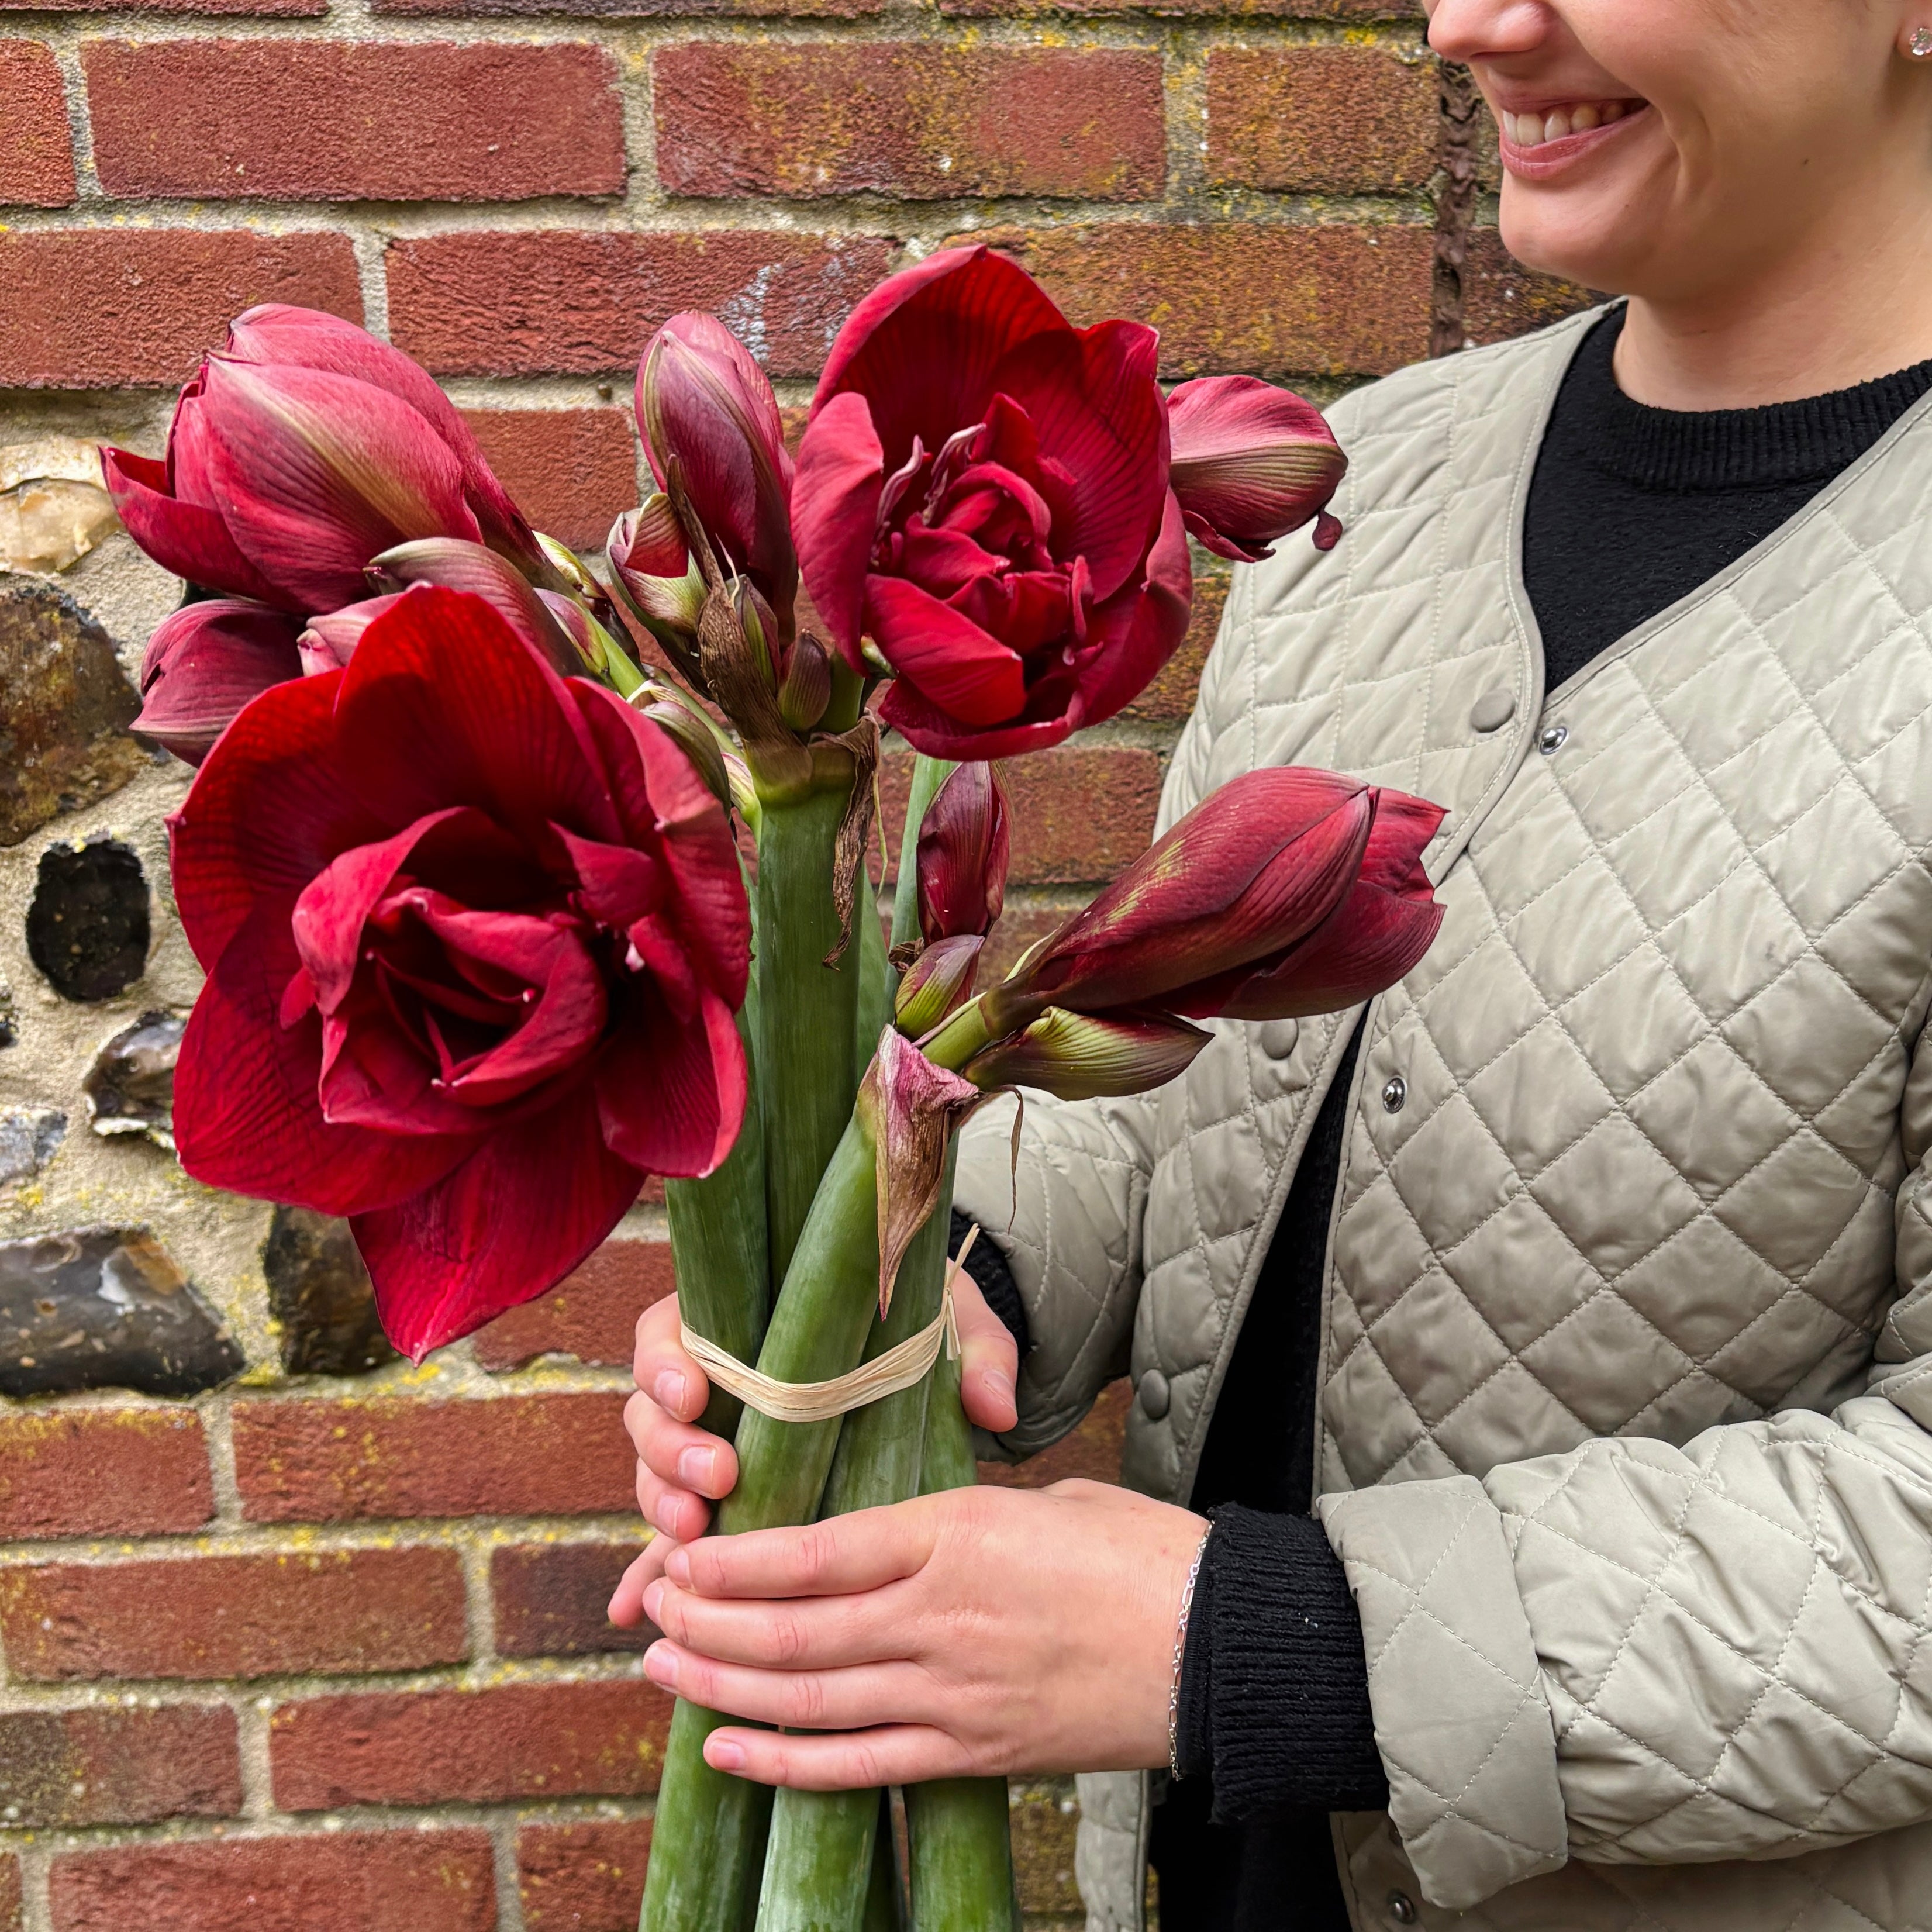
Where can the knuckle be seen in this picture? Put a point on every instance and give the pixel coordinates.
(807, 1699)
(817, 1550)
(787, 1638)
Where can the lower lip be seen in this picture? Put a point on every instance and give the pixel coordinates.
(1554, 157)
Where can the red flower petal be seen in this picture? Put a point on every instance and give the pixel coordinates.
(184, 537)
(508, 1224)
(929, 728)
(973, 677)
(319, 473)
(671, 1098)
(204, 663)
(835, 508)
(1138, 629)
(247, 1116)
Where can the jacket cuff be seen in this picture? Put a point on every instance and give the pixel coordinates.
(1274, 1689)
(1465, 1737)
(994, 1279)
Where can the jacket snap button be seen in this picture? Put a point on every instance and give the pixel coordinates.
(1394, 1094)
(1155, 1394)
(1278, 1037)
(1402, 1908)
(1493, 710)
(1553, 739)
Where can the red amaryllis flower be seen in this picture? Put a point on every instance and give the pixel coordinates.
(1272, 897)
(301, 452)
(704, 406)
(982, 490)
(474, 935)
(1251, 463)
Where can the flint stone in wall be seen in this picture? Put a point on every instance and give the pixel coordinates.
(102, 1307)
(130, 1086)
(65, 707)
(10, 1021)
(319, 1294)
(28, 1136)
(87, 928)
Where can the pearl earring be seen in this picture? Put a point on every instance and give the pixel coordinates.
(1921, 44)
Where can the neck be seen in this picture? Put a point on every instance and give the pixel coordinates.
(1842, 303)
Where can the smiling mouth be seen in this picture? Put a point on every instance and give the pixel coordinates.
(1531, 131)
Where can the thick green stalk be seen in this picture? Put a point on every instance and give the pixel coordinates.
(928, 775)
(807, 1010)
(960, 1834)
(819, 1858)
(884, 1903)
(710, 1827)
(877, 982)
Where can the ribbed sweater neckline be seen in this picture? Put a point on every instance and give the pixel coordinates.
(1778, 444)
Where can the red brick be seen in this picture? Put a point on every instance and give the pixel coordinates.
(103, 1471)
(550, 1599)
(562, 1454)
(11, 1919)
(583, 1878)
(350, 121)
(1092, 1450)
(1258, 298)
(475, 1747)
(593, 1315)
(332, 1610)
(575, 303)
(98, 308)
(36, 149)
(1343, 120)
(1192, 10)
(917, 119)
(574, 472)
(104, 1766)
(635, 10)
(1079, 813)
(1170, 697)
(371, 1881)
(1501, 298)
(281, 8)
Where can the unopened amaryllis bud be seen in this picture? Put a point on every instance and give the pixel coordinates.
(1251, 463)
(600, 651)
(806, 688)
(698, 742)
(938, 982)
(457, 566)
(965, 842)
(204, 663)
(654, 574)
(330, 637)
(708, 419)
(760, 626)
(1083, 1056)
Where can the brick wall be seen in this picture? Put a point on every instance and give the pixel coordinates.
(317, 1639)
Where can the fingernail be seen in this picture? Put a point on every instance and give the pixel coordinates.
(660, 1666)
(653, 1596)
(723, 1755)
(677, 1567)
(1000, 1388)
(694, 1467)
(669, 1389)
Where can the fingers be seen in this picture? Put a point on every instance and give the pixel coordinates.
(891, 1754)
(660, 1368)
(818, 1700)
(675, 1512)
(836, 1557)
(796, 1633)
(989, 1360)
(680, 1453)
(626, 1609)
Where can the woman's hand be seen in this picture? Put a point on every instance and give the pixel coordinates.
(975, 1633)
(680, 1467)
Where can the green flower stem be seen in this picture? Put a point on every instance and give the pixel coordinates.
(928, 775)
(959, 1829)
(885, 1903)
(819, 1857)
(877, 982)
(807, 1010)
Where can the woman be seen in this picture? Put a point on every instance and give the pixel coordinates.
(1583, 1283)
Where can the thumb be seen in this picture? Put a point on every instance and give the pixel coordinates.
(989, 1360)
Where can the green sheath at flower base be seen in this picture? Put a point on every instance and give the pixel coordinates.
(958, 1828)
(819, 1859)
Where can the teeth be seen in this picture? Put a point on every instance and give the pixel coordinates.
(1532, 130)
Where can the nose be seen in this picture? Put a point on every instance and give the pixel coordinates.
(1472, 30)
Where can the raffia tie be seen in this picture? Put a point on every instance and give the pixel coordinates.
(900, 1367)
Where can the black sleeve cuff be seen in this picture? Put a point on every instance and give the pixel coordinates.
(1274, 1683)
(994, 1280)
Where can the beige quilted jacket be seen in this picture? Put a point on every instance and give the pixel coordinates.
(1625, 1435)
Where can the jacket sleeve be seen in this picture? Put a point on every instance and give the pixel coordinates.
(1062, 1201)
(1638, 1654)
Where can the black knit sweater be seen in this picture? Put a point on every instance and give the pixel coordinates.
(1630, 509)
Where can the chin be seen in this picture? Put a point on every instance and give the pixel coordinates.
(1594, 238)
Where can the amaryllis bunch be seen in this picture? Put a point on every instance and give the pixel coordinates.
(310, 467)
(475, 936)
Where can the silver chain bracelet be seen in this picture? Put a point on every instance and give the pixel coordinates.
(1180, 1650)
